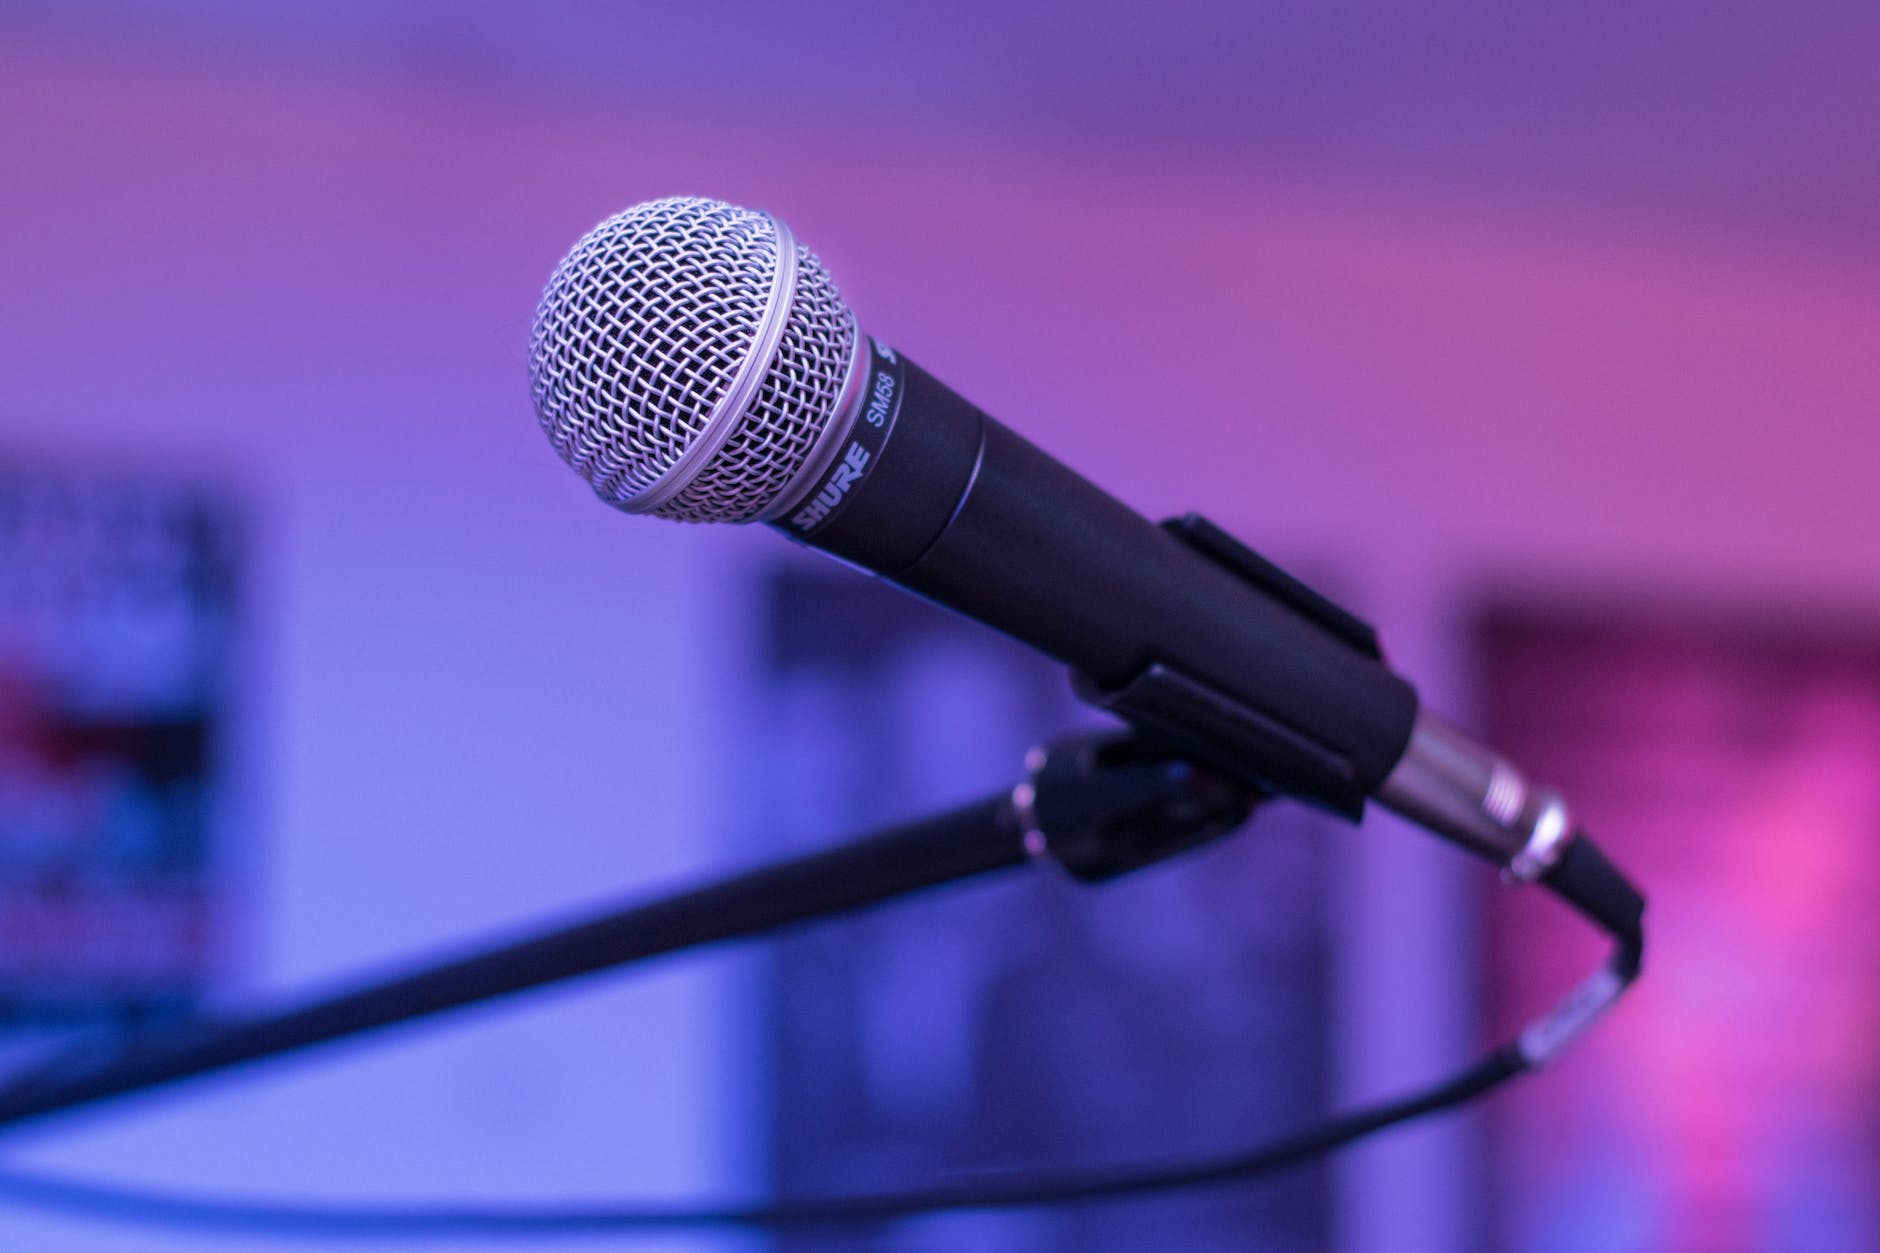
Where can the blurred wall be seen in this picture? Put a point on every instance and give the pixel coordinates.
(480, 698)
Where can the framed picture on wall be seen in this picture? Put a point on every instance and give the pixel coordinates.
(118, 608)
(1029, 1022)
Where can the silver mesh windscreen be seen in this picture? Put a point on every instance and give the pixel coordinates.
(686, 357)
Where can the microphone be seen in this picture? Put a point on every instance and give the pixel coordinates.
(691, 360)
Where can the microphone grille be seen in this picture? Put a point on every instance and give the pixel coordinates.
(687, 357)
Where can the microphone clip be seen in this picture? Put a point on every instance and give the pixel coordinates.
(1103, 803)
(1205, 722)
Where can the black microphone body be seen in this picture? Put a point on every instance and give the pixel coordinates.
(1177, 629)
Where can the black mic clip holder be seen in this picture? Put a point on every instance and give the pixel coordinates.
(1103, 803)
(1204, 723)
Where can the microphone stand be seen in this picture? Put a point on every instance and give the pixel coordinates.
(1099, 804)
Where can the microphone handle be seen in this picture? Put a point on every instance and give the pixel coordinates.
(1178, 629)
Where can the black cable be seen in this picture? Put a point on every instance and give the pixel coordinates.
(987, 1192)
(995, 1192)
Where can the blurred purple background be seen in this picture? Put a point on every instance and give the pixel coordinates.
(1452, 305)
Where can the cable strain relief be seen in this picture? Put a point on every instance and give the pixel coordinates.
(1585, 879)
